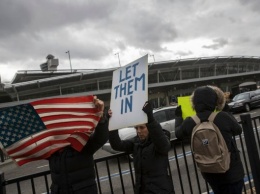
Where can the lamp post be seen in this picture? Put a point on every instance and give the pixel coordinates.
(153, 61)
(70, 60)
(118, 59)
(153, 57)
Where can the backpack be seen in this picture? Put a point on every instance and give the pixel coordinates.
(209, 147)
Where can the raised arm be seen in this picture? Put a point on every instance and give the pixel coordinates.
(118, 144)
(100, 135)
(178, 122)
(158, 136)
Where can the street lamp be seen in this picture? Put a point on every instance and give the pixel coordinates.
(153, 57)
(118, 59)
(153, 61)
(70, 60)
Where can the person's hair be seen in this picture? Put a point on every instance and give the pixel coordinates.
(221, 100)
(5, 97)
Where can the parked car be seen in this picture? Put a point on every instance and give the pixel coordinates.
(165, 116)
(245, 101)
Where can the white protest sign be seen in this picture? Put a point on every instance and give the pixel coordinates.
(129, 93)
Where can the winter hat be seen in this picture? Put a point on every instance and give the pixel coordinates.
(204, 98)
(5, 97)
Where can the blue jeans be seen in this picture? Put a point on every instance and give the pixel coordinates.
(231, 188)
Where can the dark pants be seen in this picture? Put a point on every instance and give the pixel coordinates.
(231, 188)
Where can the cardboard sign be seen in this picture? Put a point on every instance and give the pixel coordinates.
(128, 94)
(186, 107)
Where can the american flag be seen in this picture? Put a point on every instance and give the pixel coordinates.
(35, 130)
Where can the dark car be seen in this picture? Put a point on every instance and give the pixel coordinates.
(245, 101)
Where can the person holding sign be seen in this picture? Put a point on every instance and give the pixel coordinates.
(150, 154)
(205, 100)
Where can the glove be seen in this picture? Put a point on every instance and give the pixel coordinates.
(178, 111)
(148, 109)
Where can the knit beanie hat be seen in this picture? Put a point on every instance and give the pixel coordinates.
(204, 98)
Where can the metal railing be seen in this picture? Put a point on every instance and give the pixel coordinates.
(185, 175)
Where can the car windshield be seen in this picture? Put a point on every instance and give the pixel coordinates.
(241, 97)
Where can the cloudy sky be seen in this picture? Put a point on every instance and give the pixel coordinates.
(95, 30)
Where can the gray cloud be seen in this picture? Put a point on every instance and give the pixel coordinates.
(37, 16)
(217, 44)
(94, 30)
(183, 53)
(253, 4)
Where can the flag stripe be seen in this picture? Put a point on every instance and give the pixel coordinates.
(36, 149)
(38, 137)
(44, 153)
(78, 139)
(71, 124)
(80, 99)
(76, 105)
(72, 117)
(36, 130)
(65, 121)
(76, 110)
(57, 140)
(64, 113)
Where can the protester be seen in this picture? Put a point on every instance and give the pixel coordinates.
(205, 100)
(150, 155)
(73, 172)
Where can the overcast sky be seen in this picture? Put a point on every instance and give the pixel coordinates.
(93, 31)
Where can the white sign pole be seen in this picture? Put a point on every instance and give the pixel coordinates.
(128, 95)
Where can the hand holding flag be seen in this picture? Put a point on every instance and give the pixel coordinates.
(99, 105)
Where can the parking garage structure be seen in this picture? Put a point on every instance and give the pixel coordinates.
(166, 79)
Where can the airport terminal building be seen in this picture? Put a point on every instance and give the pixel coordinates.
(166, 79)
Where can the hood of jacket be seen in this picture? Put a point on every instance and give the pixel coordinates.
(204, 99)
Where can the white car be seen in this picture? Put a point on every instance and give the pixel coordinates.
(165, 116)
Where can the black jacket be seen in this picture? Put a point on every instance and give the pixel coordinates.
(150, 159)
(72, 172)
(229, 127)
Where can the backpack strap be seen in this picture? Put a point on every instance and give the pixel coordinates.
(212, 116)
(196, 119)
